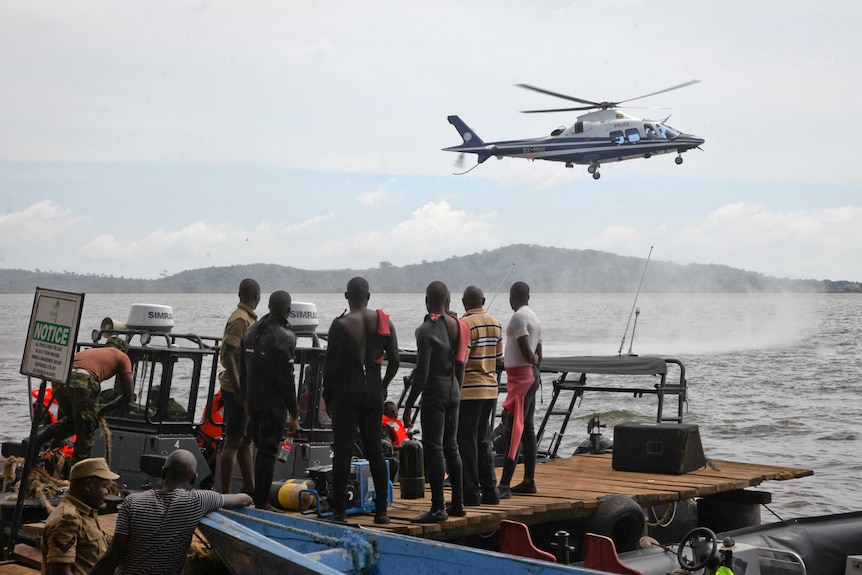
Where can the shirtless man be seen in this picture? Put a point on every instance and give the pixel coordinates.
(441, 348)
(358, 342)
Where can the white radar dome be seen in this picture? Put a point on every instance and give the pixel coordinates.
(303, 316)
(151, 317)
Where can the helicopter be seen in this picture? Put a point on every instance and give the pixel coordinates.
(605, 135)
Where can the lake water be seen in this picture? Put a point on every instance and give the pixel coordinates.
(773, 378)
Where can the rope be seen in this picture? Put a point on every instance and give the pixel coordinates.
(356, 546)
(663, 521)
(109, 438)
(773, 512)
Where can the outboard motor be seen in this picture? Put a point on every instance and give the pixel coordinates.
(411, 469)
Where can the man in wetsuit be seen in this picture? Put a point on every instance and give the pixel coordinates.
(79, 398)
(267, 382)
(441, 346)
(357, 344)
(522, 360)
(237, 444)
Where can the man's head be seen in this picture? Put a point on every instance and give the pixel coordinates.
(473, 298)
(249, 292)
(118, 342)
(89, 480)
(390, 410)
(279, 304)
(180, 468)
(519, 295)
(357, 294)
(436, 296)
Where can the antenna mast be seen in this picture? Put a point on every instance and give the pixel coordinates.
(634, 303)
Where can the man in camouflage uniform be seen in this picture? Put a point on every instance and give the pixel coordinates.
(72, 540)
(237, 445)
(79, 398)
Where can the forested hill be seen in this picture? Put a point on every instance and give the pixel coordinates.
(545, 269)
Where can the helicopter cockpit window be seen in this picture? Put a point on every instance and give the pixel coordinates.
(632, 135)
(667, 132)
(617, 137)
(650, 132)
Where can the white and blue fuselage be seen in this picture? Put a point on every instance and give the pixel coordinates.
(596, 138)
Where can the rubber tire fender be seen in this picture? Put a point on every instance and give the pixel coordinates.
(619, 517)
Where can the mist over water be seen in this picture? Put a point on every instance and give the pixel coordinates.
(773, 378)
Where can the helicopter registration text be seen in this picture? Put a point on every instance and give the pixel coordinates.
(534, 149)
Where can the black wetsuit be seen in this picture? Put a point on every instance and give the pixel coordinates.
(267, 381)
(435, 379)
(354, 391)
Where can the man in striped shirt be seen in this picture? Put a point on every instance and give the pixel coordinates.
(478, 397)
(155, 527)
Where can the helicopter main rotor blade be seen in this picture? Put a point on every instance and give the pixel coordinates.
(683, 85)
(563, 96)
(558, 110)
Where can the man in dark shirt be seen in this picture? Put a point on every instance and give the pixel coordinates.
(441, 347)
(267, 382)
(357, 344)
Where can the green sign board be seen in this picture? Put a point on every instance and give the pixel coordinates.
(50, 343)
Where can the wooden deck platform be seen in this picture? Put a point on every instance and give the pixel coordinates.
(569, 488)
(572, 487)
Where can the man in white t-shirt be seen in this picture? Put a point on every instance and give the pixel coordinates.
(523, 355)
(155, 527)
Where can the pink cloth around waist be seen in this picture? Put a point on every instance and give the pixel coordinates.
(519, 380)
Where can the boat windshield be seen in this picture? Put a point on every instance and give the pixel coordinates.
(667, 132)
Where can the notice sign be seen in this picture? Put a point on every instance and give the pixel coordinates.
(50, 343)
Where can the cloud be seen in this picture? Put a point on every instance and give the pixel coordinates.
(310, 222)
(43, 222)
(433, 231)
(615, 239)
(373, 197)
(775, 242)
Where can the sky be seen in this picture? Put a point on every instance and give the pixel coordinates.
(141, 139)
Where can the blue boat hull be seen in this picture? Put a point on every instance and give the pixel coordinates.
(253, 542)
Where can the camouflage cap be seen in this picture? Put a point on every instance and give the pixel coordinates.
(119, 343)
(93, 467)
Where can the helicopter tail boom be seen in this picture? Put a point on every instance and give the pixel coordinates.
(471, 142)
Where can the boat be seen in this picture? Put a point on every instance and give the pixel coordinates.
(252, 542)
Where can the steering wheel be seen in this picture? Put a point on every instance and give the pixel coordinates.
(697, 540)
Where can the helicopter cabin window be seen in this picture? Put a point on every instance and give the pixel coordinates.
(650, 132)
(632, 135)
(617, 137)
(667, 132)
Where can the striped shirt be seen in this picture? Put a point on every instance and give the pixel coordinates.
(160, 525)
(486, 349)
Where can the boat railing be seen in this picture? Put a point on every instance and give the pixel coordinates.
(770, 560)
(575, 381)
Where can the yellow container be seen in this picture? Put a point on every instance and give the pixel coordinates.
(288, 494)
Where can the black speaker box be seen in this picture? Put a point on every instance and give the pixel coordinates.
(666, 448)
